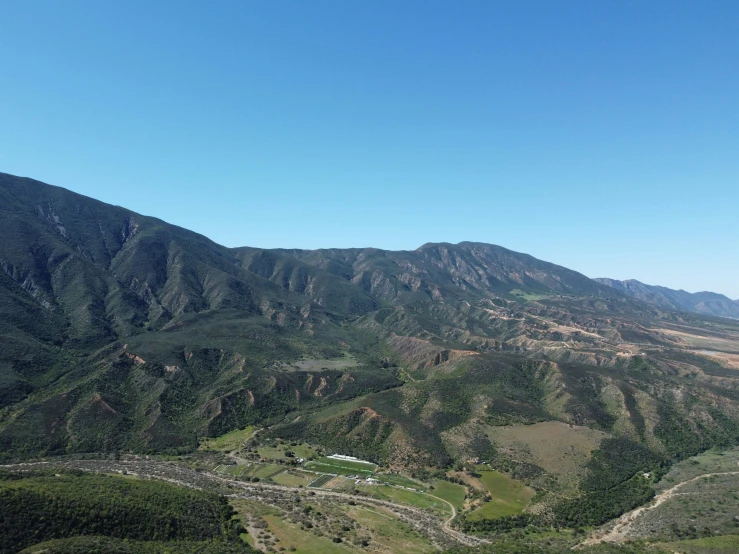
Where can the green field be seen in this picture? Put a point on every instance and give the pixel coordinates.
(321, 480)
(268, 470)
(341, 467)
(230, 441)
(417, 499)
(528, 295)
(451, 492)
(294, 478)
(509, 497)
(235, 471)
(278, 452)
(399, 481)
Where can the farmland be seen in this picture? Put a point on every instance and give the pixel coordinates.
(398, 480)
(294, 478)
(341, 467)
(507, 497)
(451, 492)
(321, 480)
(412, 498)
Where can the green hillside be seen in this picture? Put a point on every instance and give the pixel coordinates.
(45, 506)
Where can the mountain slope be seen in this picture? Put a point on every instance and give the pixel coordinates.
(708, 303)
(87, 289)
(446, 272)
(122, 332)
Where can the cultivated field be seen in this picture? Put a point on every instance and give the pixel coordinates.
(417, 499)
(399, 481)
(294, 478)
(509, 497)
(321, 480)
(341, 467)
(451, 492)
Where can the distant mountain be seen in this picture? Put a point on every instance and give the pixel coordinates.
(447, 272)
(708, 303)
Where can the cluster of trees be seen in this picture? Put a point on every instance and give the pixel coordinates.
(616, 461)
(40, 506)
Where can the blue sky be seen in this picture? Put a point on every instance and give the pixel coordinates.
(603, 136)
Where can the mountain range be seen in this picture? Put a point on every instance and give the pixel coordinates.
(709, 303)
(123, 333)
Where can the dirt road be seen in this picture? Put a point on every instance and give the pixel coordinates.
(620, 531)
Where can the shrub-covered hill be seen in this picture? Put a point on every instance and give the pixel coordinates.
(85, 545)
(37, 507)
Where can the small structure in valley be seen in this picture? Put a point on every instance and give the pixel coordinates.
(344, 458)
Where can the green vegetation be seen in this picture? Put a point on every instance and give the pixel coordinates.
(123, 334)
(399, 480)
(506, 497)
(290, 535)
(286, 452)
(726, 544)
(318, 527)
(341, 467)
(547, 543)
(294, 478)
(85, 545)
(388, 533)
(230, 441)
(268, 470)
(451, 492)
(321, 480)
(403, 496)
(527, 295)
(702, 502)
(40, 506)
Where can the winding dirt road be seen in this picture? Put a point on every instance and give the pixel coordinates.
(620, 531)
(447, 525)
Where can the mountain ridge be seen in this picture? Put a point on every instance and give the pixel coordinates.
(704, 302)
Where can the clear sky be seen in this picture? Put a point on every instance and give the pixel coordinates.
(600, 135)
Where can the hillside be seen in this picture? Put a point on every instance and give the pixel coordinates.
(707, 303)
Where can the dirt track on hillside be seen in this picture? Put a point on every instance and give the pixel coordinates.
(620, 531)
